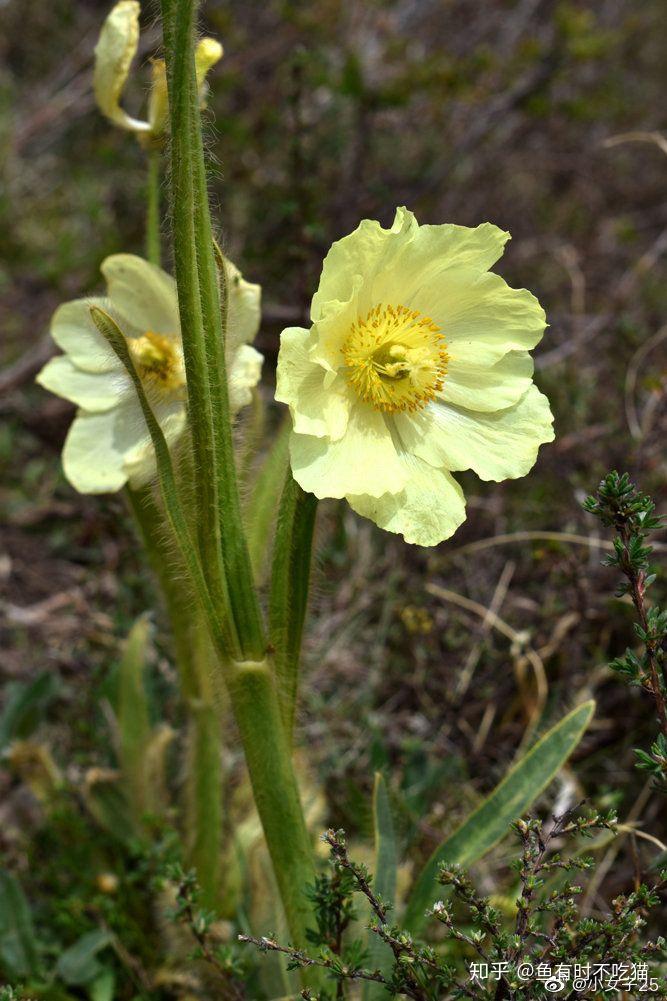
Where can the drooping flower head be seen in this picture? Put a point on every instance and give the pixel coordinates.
(115, 50)
(108, 444)
(416, 366)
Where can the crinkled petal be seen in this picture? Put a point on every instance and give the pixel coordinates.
(319, 405)
(95, 392)
(426, 256)
(97, 446)
(406, 255)
(244, 373)
(356, 259)
(363, 461)
(482, 314)
(430, 507)
(114, 52)
(244, 304)
(144, 294)
(497, 446)
(474, 385)
(75, 333)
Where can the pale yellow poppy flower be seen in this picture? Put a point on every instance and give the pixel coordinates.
(108, 444)
(416, 366)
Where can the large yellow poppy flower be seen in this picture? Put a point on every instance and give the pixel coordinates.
(416, 366)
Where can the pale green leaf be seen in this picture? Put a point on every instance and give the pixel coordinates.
(490, 821)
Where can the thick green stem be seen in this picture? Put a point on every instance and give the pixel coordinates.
(269, 759)
(153, 249)
(251, 686)
(290, 582)
(203, 323)
(179, 603)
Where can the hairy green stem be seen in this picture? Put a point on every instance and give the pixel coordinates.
(176, 521)
(203, 322)
(290, 581)
(275, 791)
(251, 686)
(179, 603)
(153, 235)
(179, 51)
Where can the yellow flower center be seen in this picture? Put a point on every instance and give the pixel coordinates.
(158, 360)
(395, 358)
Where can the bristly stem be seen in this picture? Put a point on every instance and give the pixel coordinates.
(203, 321)
(249, 677)
(153, 229)
(178, 26)
(193, 654)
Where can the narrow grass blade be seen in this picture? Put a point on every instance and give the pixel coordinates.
(204, 800)
(134, 728)
(380, 956)
(18, 946)
(490, 821)
(25, 707)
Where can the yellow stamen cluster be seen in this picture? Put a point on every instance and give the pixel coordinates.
(158, 361)
(395, 358)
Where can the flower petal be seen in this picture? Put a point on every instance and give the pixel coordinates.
(144, 294)
(429, 509)
(139, 462)
(319, 405)
(363, 461)
(426, 257)
(97, 445)
(477, 386)
(114, 52)
(244, 303)
(498, 446)
(362, 254)
(482, 314)
(207, 53)
(415, 254)
(75, 333)
(243, 375)
(95, 392)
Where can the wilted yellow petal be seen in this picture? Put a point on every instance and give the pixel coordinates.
(207, 54)
(114, 52)
(158, 101)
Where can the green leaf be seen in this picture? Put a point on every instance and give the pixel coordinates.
(25, 707)
(290, 583)
(204, 799)
(262, 504)
(380, 956)
(18, 945)
(490, 821)
(102, 988)
(78, 964)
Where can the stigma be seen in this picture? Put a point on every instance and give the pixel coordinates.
(395, 358)
(158, 360)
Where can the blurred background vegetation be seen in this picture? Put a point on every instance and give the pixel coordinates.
(320, 114)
